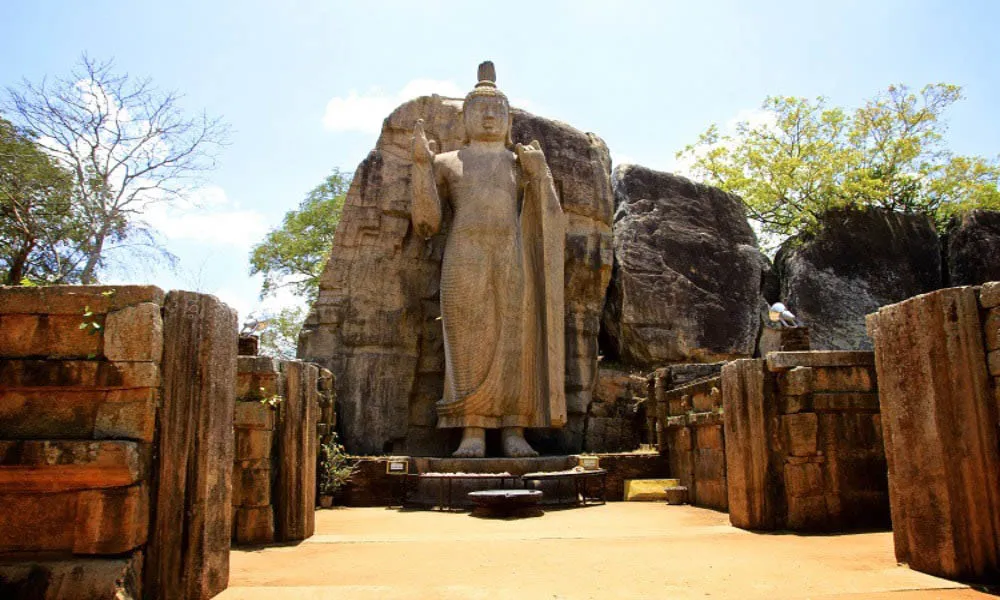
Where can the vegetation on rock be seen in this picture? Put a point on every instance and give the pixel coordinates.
(805, 157)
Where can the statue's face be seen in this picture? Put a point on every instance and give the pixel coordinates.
(487, 119)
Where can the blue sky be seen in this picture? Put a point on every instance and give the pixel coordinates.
(304, 84)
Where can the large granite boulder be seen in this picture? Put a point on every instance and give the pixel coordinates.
(973, 247)
(375, 323)
(857, 261)
(686, 285)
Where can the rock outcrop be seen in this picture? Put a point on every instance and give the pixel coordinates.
(973, 248)
(858, 261)
(376, 322)
(687, 274)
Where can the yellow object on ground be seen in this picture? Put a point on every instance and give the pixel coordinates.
(648, 490)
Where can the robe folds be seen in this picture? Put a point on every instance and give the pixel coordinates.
(502, 301)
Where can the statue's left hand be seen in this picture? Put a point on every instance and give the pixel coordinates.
(532, 159)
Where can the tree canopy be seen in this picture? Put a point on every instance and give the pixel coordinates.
(41, 233)
(293, 255)
(126, 146)
(805, 157)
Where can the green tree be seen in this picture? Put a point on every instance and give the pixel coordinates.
(127, 145)
(293, 256)
(279, 332)
(806, 157)
(41, 233)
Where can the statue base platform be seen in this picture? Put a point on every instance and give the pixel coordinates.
(514, 466)
(446, 482)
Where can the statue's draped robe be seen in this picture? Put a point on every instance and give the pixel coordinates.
(502, 309)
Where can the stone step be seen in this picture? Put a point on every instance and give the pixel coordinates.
(45, 466)
(648, 490)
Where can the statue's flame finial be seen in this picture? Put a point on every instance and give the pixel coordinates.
(487, 72)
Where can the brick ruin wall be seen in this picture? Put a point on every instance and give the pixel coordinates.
(115, 413)
(803, 439)
(284, 410)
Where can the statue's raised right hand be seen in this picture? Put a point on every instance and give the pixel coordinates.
(423, 149)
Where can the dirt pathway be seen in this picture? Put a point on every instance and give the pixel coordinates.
(619, 550)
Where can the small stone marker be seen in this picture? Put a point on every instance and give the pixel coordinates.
(648, 490)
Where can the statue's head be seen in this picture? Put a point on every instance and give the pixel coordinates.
(486, 111)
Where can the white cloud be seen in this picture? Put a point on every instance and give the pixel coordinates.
(364, 112)
(208, 217)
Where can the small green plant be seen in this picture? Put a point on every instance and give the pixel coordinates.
(27, 282)
(272, 401)
(90, 322)
(335, 467)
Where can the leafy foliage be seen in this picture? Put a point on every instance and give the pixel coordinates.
(806, 157)
(126, 145)
(335, 467)
(295, 254)
(279, 333)
(40, 228)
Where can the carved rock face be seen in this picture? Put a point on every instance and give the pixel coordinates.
(860, 260)
(686, 286)
(375, 323)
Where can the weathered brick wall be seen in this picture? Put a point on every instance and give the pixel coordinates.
(804, 442)
(938, 359)
(110, 427)
(277, 443)
(691, 424)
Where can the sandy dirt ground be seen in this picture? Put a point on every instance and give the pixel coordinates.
(618, 550)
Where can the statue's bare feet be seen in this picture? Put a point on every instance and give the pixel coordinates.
(514, 444)
(473, 443)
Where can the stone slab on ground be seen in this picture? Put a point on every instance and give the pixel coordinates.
(648, 490)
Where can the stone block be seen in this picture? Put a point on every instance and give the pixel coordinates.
(796, 382)
(795, 404)
(648, 490)
(844, 379)
(188, 550)
(134, 333)
(36, 466)
(253, 415)
(18, 373)
(939, 425)
(704, 402)
(800, 433)
(989, 295)
(805, 479)
(753, 476)
(777, 361)
(991, 329)
(847, 401)
(253, 525)
(709, 437)
(105, 521)
(73, 579)
(251, 487)
(807, 513)
(296, 447)
(256, 385)
(993, 361)
(73, 299)
(49, 336)
(53, 413)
